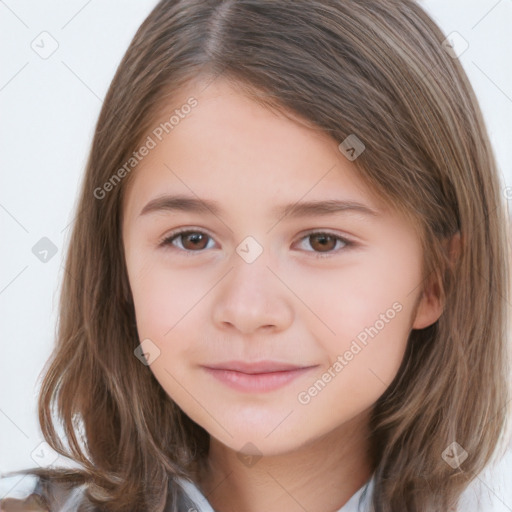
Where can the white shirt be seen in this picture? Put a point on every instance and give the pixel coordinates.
(491, 491)
(202, 504)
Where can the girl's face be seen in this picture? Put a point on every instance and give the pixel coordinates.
(333, 289)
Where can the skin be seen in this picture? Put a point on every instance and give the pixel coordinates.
(210, 305)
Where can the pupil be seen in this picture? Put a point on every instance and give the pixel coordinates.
(323, 240)
(194, 239)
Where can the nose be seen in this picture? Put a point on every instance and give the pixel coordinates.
(252, 298)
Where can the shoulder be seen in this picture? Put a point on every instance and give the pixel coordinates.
(20, 491)
(27, 491)
(191, 497)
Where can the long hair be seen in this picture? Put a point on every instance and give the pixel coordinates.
(376, 69)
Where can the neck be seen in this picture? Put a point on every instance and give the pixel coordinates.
(318, 477)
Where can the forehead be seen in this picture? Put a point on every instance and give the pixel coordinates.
(234, 150)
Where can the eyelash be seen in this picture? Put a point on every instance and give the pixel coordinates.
(167, 241)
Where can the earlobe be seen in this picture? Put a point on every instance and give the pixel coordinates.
(428, 311)
(429, 308)
(431, 303)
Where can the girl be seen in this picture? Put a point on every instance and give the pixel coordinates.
(287, 284)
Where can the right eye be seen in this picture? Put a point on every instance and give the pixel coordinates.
(194, 239)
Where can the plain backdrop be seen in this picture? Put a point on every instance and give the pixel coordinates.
(49, 106)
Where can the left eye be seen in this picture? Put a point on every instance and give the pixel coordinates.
(196, 241)
(324, 240)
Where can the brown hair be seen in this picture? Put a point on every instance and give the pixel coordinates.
(376, 69)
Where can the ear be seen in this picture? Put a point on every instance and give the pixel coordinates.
(429, 307)
(430, 304)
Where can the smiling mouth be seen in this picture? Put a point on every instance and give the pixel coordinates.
(257, 378)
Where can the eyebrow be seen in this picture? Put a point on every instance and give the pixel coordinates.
(300, 209)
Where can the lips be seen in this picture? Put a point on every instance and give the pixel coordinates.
(256, 367)
(257, 377)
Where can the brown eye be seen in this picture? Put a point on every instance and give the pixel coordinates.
(193, 241)
(323, 241)
(324, 244)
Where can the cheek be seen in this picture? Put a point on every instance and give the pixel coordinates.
(364, 358)
(162, 297)
(164, 301)
(369, 289)
(366, 314)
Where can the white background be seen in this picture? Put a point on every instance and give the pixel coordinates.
(48, 111)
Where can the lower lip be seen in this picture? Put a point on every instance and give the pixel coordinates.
(257, 382)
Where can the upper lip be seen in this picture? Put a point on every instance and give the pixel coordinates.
(256, 367)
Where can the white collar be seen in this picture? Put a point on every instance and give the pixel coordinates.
(352, 505)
